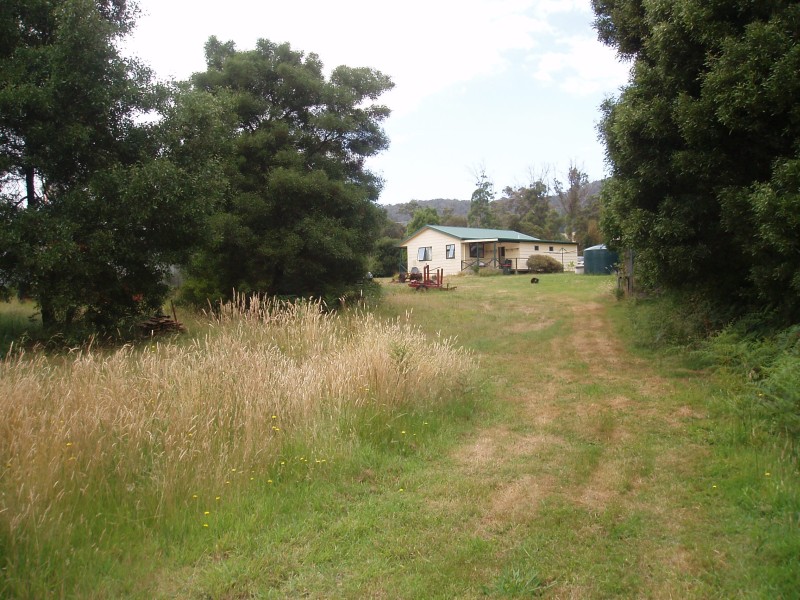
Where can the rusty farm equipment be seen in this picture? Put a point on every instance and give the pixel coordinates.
(425, 281)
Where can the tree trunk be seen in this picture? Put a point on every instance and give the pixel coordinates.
(47, 312)
(30, 187)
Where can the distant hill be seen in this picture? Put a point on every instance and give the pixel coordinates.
(460, 208)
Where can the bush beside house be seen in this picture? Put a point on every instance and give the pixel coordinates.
(539, 263)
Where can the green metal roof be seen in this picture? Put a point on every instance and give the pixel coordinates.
(476, 233)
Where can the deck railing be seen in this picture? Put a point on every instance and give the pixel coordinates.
(482, 263)
(512, 265)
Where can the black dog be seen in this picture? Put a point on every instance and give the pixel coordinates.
(534, 280)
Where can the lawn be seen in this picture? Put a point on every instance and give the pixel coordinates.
(502, 440)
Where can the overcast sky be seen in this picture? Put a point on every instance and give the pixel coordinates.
(512, 86)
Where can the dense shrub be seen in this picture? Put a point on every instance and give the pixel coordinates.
(771, 367)
(539, 263)
(387, 258)
(765, 361)
(669, 320)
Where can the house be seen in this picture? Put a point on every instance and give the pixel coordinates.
(456, 249)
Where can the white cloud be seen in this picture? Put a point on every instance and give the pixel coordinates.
(448, 59)
(426, 46)
(584, 67)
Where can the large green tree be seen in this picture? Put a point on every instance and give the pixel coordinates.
(704, 147)
(301, 217)
(95, 204)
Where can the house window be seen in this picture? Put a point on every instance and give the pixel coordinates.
(424, 253)
(476, 250)
(551, 248)
(450, 251)
(536, 248)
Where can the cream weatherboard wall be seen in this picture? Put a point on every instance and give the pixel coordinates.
(554, 249)
(437, 242)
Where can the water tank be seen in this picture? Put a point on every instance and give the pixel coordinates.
(599, 260)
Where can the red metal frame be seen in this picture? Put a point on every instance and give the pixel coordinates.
(428, 281)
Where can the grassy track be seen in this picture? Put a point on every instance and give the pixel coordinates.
(599, 474)
(575, 470)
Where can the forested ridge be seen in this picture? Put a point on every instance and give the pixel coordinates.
(401, 212)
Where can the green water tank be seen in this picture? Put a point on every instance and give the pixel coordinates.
(599, 260)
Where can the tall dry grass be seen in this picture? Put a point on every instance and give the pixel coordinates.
(134, 433)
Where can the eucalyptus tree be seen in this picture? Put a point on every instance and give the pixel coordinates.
(573, 198)
(480, 213)
(531, 211)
